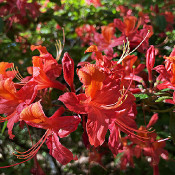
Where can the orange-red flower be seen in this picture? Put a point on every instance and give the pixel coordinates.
(4, 72)
(46, 70)
(167, 72)
(86, 33)
(55, 126)
(96, 3)
(12, 101)
(68, 70)
(103, 101)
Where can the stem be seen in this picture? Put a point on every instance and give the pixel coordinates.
(162, 111)
(155, 170)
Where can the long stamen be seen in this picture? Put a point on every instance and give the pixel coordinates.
(34, 149)
(21, 83)
(34, 153)
(2, 119)
(162, 140)
(135, 130)
(126, 48)
(59, 47)
(125, 53)
(116, 104)
(132, 130)
(13, 70)
(120, 101)
(140, 43)
(17, 74)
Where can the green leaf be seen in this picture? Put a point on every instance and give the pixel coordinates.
(167, 89)
(141, 96)
(84, 58)
(1, 25)
(10, 35)
(118, 158)
(172, 125)
(161, 22)
(4, 126)
(160, 99)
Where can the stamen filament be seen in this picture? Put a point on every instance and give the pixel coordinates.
(32, 151)
(59, 47)
(119, 102)
(162, 140)
(17, 75)
(140, 43)
(114, 105)
(126, 48)
(129, 130)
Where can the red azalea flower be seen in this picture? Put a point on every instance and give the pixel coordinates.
(107, 40)
(55, 126)
(68, 70)
(116, 71)
(4, 73)
(46, 70)
(124, 11)
(86, 33)
(17, 9)
(12, 102)
(150, 147)
(129, 28)
(96, 3)
(102, 100)
(167, 72)
(150, 60)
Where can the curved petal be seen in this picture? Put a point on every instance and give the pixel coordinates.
(57, 150)
(31, 90)
(13, 118)
(92, 78)
(7, 89)
(96, 127)
(70, 125)
(34, 113)
(74, 102)
(68, 69)
(113, 139)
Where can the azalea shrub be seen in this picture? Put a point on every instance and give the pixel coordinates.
(87, 87)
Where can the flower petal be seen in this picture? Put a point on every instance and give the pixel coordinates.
(57, 150)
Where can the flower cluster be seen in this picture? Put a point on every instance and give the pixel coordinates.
(16, 11)
(105, 104)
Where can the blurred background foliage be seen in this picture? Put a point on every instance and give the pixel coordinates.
(45, 27)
